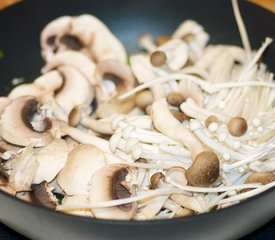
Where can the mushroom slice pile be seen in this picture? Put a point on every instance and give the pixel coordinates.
(17, 126)
(86, 34)
(113, 178)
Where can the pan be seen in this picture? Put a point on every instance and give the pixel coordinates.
(20, 28)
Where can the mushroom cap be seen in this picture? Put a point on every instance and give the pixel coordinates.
(204, 171)
(74, 59)
(237, 126)
(111, 177)
(176, 52)
(51, 159)
(261, 177)
(115, 71)
(83, 161)
(16, 126)
(75, 90)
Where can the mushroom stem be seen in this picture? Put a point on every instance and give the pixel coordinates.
(87, 138)
(165, 122)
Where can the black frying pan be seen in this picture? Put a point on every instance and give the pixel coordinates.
(20, 27)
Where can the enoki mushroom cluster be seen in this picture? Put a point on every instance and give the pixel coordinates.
(184, 128)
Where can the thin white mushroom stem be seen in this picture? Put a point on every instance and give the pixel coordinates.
(248, 194)
(198, 130)
(157, 165)
(96, 125)
(207, 87)
(264, 152)
(166, 123)
(84, 137)
(242, 29)
(254, 60)
(190, 104)
(213, 190)
(149, 194)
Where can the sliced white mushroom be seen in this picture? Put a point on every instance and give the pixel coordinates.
(51, 159)
(42, 86)
(24, 170)
(74, 59)
(75, 90)
(50, 33)
(16, 123)
(80, 199)
(112, 177)
(112, 77)
(104, 44)
(4, 101)
(83, 161)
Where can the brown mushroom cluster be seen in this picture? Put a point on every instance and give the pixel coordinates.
(184, 128)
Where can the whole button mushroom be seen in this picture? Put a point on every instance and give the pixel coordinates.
(204, 171)
(112, 177)
(83, 161)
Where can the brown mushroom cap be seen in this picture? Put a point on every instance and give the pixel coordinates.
(175, 98)
(155, 179)
(144, 98)
(237, 126)
(160, 40)
(204, 171)
(112, 177)
(211, 119)
(16, 127)
(261, 177)
(158, 58)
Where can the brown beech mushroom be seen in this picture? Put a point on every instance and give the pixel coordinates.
(158, 58)
(162, 39)
(261, 177)
(204, 171)
(155, 179)
(180, 116)
(113, 178)
(83, 161)
(112, 77)
(237, 126)
(175, 98)
(211, 119)
(17, 125)
(144, 98)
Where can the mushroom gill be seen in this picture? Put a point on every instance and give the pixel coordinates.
(113, 177)
(112, 77)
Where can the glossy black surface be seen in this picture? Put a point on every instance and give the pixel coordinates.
(20, 27)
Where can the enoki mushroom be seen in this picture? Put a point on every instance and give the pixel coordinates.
(184, 129)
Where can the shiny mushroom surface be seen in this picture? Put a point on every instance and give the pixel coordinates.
(184, 128)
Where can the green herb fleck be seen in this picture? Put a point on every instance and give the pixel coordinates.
(1, 54)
